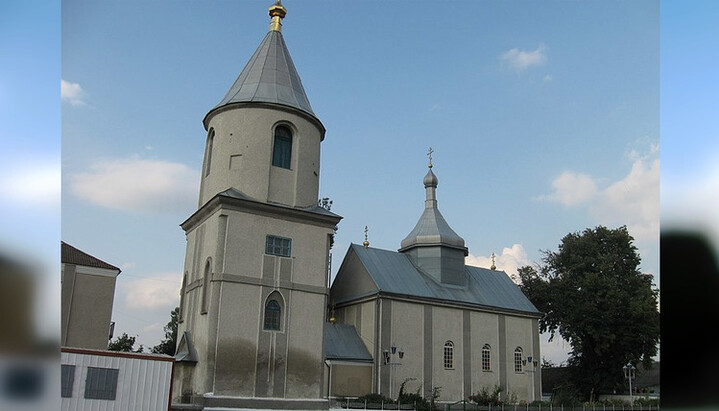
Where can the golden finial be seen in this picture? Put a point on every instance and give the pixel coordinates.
(493, 267)
(366, 241)
(332, 313)
(277, 12)
(429, 154)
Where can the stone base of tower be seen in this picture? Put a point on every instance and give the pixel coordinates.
(218, 402)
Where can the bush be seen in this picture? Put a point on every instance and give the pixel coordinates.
(375, 398)
(566, 395)
(415, 398)
(487, 397)
(646, 401)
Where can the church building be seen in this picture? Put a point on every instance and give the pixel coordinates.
(429, 319)
(259, 325)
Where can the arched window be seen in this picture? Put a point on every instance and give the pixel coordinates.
(206, 286)
(449, 355)
(273, 315)
(282, 149)
(208, 154)
(486, 358)
(518, 359)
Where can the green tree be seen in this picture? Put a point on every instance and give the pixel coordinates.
(124, 343)
(168, 345)
(595, 297)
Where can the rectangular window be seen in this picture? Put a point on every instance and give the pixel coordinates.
(101, 383)
(282, 150)
(278, 246)
(67, 379)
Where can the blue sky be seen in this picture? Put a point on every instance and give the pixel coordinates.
(543, 117)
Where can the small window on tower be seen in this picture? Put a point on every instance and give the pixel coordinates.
(208, 155)
(282, 150)
(278, 246)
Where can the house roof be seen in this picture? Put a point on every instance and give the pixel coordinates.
(343, 343)
(71, 255)
(648, 377)
(269, 77)
(393, 272)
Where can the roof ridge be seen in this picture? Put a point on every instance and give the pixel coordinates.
(73, 255)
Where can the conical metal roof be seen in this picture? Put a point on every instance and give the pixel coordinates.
(270, 77)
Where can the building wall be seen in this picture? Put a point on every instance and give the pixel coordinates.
(350, 380)
(362, 317)
(484, 331)
(519, 334)
(237, 357)
(86, 309)
(421, 331)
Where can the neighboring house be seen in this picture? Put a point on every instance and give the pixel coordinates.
(645, 384)
(647, 381)
(88, 291)
(110, 380)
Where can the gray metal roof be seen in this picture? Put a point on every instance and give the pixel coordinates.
(270, 76)
(343, 343)
(432, 229)
(393, 272)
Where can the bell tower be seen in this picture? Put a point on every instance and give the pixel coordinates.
(254, 291)
(263, 137)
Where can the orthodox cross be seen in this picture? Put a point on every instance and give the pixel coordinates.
(493, 267)
(429, 154)
(366, 241)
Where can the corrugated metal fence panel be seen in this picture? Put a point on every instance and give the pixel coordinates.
(142, 383)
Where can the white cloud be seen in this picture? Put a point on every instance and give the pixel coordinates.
(72, 93)
(632, 200)
(510, 259)
(571, 189)
(153, 328)
(157, 291)
(138, 185)
(520, 60)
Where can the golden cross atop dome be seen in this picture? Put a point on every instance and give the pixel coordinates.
(366, 241)
(493, 267)
(429, 154)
